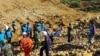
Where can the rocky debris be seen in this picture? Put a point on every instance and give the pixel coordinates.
(25, 10)
(85, 53)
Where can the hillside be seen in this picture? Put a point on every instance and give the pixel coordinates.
(34, 10)
(20, 9)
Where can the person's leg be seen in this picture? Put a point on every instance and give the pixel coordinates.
(47, 51)
(9, 40)
(14, 30)
(89, 39)
(27, 52)
(36, 43)
(71, 38)
(31, 34)
(41, 51)
(68, 38)
(92, 39)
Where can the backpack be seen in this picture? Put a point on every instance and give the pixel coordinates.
(94, 29)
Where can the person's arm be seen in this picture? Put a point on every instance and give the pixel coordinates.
(11, 32)
(21, 46)
(31, 43)
(5, 35)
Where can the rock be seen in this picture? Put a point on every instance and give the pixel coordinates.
(79, 54)
(85, 53)
(97, 53)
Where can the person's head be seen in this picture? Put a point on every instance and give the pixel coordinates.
(24, 34)
(9, 28)
(28, 23)
(24, 25)
(70, 24)
(13, 22)
(91, 22)
(41, 22)
(36, 22)
(21, 23)
(44, 33)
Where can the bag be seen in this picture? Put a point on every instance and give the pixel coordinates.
(94, 30)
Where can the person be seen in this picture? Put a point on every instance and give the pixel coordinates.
(46, 44)
(2, 37)
(7, 49)
(24, 28)
(14, 26)
(0, 49)
(69, 33)
(29, 29)
(35, 27)
(21, 27)
(42, 26)
(92, 32)
(26, 44)
(8, 34)
(50, 34)
(6, 26)
(36, 36)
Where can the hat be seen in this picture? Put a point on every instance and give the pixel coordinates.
(24, 33)
(44, 33)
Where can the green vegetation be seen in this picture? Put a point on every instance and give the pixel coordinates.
(76, 4)
(65, 1)
(71, 3)
(93, 8)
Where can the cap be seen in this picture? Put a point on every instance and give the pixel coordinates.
(24, 33)
(44, 33)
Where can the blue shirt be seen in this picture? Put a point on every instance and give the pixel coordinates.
(47, 41)
(91, 30)
(24, 29)
(8, 34)
(42, 27)
(2, 36)
(29, 28)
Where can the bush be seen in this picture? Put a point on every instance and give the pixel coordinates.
(74, 5)
(92, 8)
(65, 1)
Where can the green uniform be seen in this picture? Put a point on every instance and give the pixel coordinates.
(36, 36)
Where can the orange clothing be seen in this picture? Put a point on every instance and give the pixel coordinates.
(26, 45)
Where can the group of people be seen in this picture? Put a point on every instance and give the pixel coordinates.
(91, 32)
(32, 37)
(6, 49)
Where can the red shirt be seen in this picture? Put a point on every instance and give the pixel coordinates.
(26, 43)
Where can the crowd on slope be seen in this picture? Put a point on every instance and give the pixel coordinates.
(37, 31)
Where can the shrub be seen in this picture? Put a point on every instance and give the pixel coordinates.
(74, 5)
(65, 1)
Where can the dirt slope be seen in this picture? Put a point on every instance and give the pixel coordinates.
(14, 9)
(32, 10)
(20, 10)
